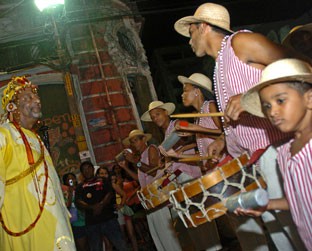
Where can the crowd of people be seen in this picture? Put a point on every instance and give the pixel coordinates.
(259, 103)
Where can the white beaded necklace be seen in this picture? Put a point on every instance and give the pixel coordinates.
(219, 67)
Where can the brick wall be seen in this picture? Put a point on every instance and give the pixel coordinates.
(108, 122)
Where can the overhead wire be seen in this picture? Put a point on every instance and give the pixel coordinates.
(2, 14)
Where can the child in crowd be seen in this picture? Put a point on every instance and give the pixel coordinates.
(130, 188)
(284, 96)
(77, 219)
(138, 220)
(103, 173)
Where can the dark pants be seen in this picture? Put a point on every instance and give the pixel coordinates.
(111, 230)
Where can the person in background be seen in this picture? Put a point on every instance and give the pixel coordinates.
(131, 187)
(77, 219)
(96, 197)
(33, 213)
(299, 39)
(284, 96)
(103, 173)
(240, 58)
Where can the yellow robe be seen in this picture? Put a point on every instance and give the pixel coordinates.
(19, 201)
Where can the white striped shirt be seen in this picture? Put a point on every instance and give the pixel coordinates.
(297, 175)
(232, 77)
(202, 140)
(193, 171)
(146, 179)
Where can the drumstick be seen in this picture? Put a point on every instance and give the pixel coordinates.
(196, 158)
(197, 115)
(158, 167)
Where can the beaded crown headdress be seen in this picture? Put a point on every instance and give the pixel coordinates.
(14, 86)
(9, 96)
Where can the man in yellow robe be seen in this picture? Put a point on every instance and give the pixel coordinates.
(33, 214)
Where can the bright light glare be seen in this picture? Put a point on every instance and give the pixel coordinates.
(44, 4)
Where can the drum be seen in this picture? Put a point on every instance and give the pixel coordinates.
(156, 194)
(204, 199)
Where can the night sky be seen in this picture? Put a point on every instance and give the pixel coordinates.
(160, 16)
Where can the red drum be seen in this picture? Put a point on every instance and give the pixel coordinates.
(155, 194)
(203, 199)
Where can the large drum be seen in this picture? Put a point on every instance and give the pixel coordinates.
(156, 194)
(203, 199)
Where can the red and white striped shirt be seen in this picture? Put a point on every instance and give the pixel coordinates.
(193, 171)
(146, 179)
(297, 175)
(201, 138)
(232, 77)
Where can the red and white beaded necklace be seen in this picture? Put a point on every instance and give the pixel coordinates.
(32, 170)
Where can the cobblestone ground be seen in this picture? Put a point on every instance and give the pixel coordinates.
(227, 238)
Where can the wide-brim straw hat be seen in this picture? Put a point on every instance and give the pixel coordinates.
(284, 70)
(210, 13)
(197, 79)
(170, 107)
(287, 40)
(135, 133)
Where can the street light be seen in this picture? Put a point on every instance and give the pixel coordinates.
(49, 6)
(44, 4)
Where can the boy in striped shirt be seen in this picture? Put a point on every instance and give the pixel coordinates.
(284, 96)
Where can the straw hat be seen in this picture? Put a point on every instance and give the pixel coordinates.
(170, 107)
(135, 133)
(284, 70)
(287, 40)
(210, 13)
(197, 79)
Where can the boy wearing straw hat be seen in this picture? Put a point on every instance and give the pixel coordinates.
(158, 112)
(284, 96)
(240, 58)
(159, 221)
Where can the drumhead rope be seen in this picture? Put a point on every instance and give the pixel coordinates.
(156, 194)
(203, 200)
